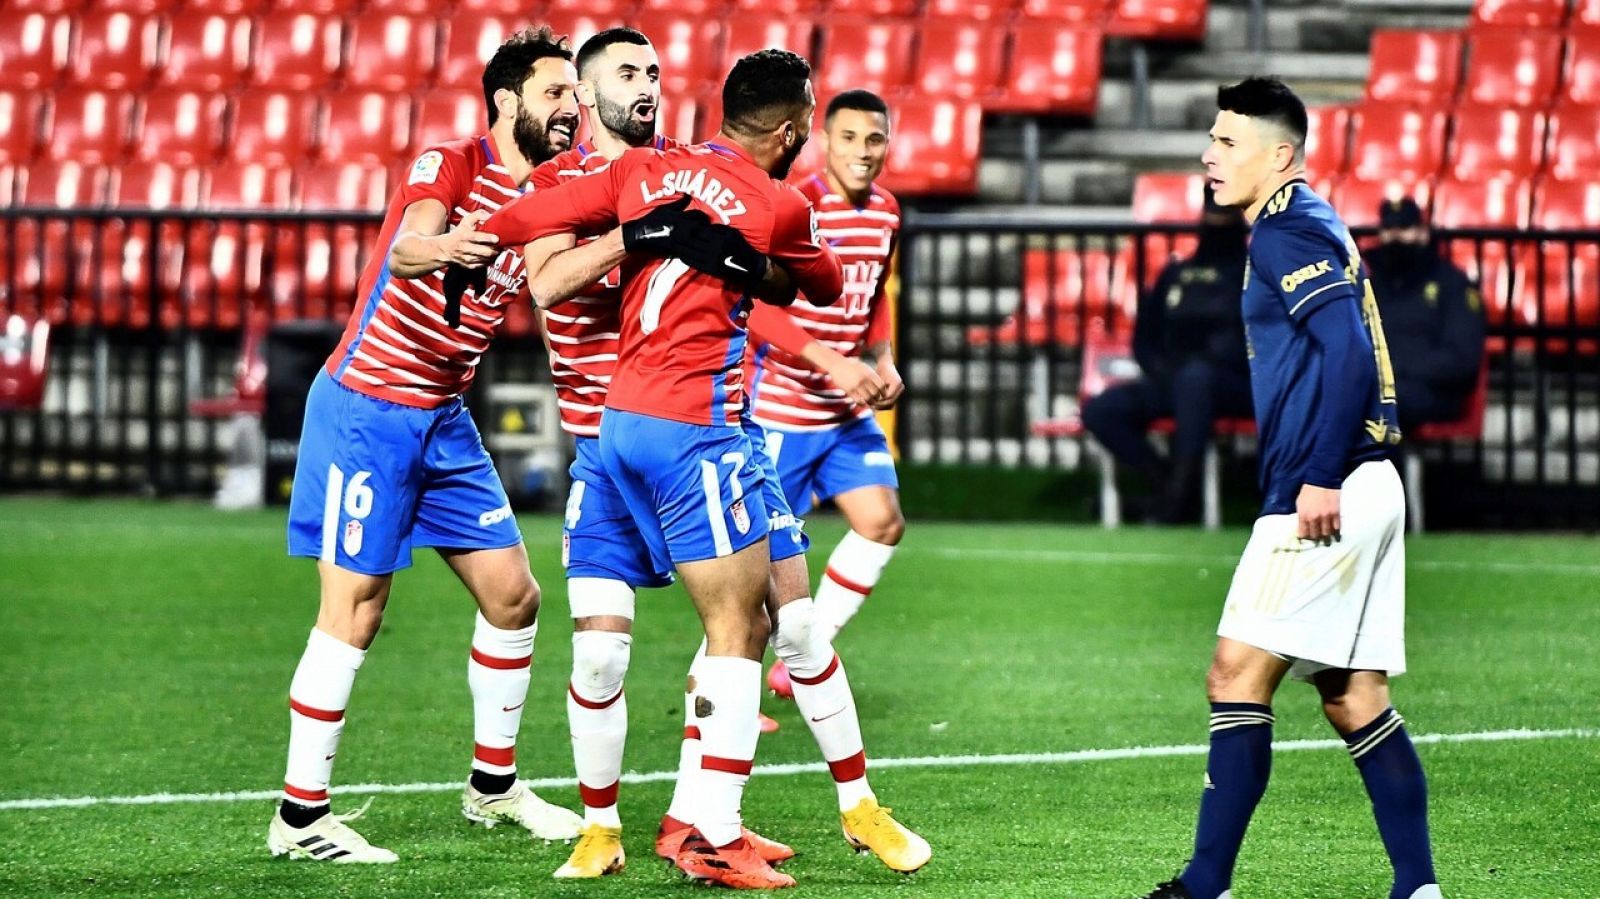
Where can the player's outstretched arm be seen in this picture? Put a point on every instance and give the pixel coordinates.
(423, 246)
(561, 270)
(857, 379)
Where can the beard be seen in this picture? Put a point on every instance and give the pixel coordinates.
(786, 161)
(618, 119)
(533, 137)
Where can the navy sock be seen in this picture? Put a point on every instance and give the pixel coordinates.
(1393, 774)
(1236, 777)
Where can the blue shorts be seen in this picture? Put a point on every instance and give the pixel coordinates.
(786, 533)
(375, 478)
(828, 463)
(600, 538)
(695, 491)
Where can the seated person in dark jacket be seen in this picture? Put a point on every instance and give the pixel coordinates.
(1188, 338)
(1432, 318)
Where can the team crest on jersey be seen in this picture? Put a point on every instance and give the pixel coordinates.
(426, 169)
(352, 538)
(741, 516)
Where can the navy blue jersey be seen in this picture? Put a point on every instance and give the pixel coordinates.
(1302, 259)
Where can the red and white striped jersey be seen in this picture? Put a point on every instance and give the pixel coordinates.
(397, 346)
(582, 332)
(788, 393)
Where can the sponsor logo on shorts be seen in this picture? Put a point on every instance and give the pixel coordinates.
(878, 457)
(741, 516)
(781, 522)
(352, 538)
(494, 516)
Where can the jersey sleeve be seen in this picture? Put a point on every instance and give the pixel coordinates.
(546, 175)
(1304, 265)
(582, 206)
(440, 173)
(795, 245)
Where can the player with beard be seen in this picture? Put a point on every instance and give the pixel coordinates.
(606, 556)
(390, 460)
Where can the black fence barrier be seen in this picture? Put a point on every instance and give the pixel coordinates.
(996, 314)
(150, 310)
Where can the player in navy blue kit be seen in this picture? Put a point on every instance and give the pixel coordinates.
(1320, 591)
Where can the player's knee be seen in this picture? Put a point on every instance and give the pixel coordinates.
(520, 605)
(794, 639)
(599, 662)
(887, 527)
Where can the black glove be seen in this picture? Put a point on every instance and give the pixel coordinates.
(457, 279)
(675, 231)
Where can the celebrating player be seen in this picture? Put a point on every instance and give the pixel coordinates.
(390, 460)
(810, 387)
(1320, 591)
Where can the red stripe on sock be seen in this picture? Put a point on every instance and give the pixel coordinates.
(505, 758)
(598, 797)
(833, 574)
(589, 703)
(329, 715)
(833, 665)
(305, 795)
(852, 768)
(728, 766)
(489, 661)
(690, 732)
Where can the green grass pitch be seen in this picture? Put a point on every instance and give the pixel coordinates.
(147, 648)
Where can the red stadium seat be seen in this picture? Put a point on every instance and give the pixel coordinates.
(115, 50)
(273, 127)
(1496, 141)
(23, 113)
(1520, 13)
(1414, 66)
(181, 127)
(206, 52)
(613, 11)
(1327, 140)
(446, 115)
(680, 117)
(689, 49)
(748, 33)
(224, 260)
(370, 128)
(874, 54)
(711, 8)
(53, 257)
(65, 184)
(708, 117)
(390, 53)
(997, 11)
(1165, 20)
(33, 49)
(1511, 67)
(316, 264)
(1066, 295)
(344, 187)
(475, 8)
(156, 185)
(1054, 69)
(248, 186)
(960, 59)
(296, 52)
(874, 8)
(1573, 149)
(1073, 12)
(776, 8)
(1581, 78)
(935, 148)
(469, 42)
(49, 7)
(316, 7)
(1558, 284)
(419, 8)
(1358, 199)
(1169, 197)
(1397, 141)
(1567, 205)
(25, 364)
(91, 126)
(137, 7)
(139, 258)
(1585, 14)
(1481, 203)
(227, 7)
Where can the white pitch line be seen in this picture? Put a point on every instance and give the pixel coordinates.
(931, 761)
(1093, 557)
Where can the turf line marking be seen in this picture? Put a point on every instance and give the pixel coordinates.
(1121, 558)
(930, 761)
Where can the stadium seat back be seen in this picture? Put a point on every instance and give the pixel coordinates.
(115, 50)
(1492, 141)
(1581, 78)
(996, 11)
(181, 127)
(274, 127)
(874, 54)
(391, 53)
(446, 115)
(1327, 140)
(1573, 147)
(689, 48)
(1414, 66)
(960, 59)
(344, 187)
(206, 52)
(1168, 197)
(91, 125)
(1393, 140)
(748, 33)
(1052, 69)
(935, 150)
(873, 8)
(1162, 20)
(1519, 13)
(1567, 205)
(296, 51)
(24, 362)
(247, 185)
(469, 43)
(33, 49)
(1067, 12)
(1513, 67)
(1359, 199)
(24, 113)
(1482, 203)
(371, 128)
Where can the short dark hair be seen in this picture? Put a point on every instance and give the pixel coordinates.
(1270, 99)
(595, 46)
(858, 99)
(512, 63)
(762, 89)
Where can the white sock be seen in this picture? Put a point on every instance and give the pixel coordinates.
(822, 693)
(684, 792)
(727, 700)
(853, 570)
(597, 714)
(498, 673)
(317, 699)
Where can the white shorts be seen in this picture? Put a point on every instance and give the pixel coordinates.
(1334, 606)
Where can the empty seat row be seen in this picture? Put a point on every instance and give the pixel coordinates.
(1505, 66)
(1536, 13)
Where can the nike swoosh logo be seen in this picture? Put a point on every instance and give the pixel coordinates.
(734, 265)
(826, 717)
(653, 233)
(329, 757)
(513, 708)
